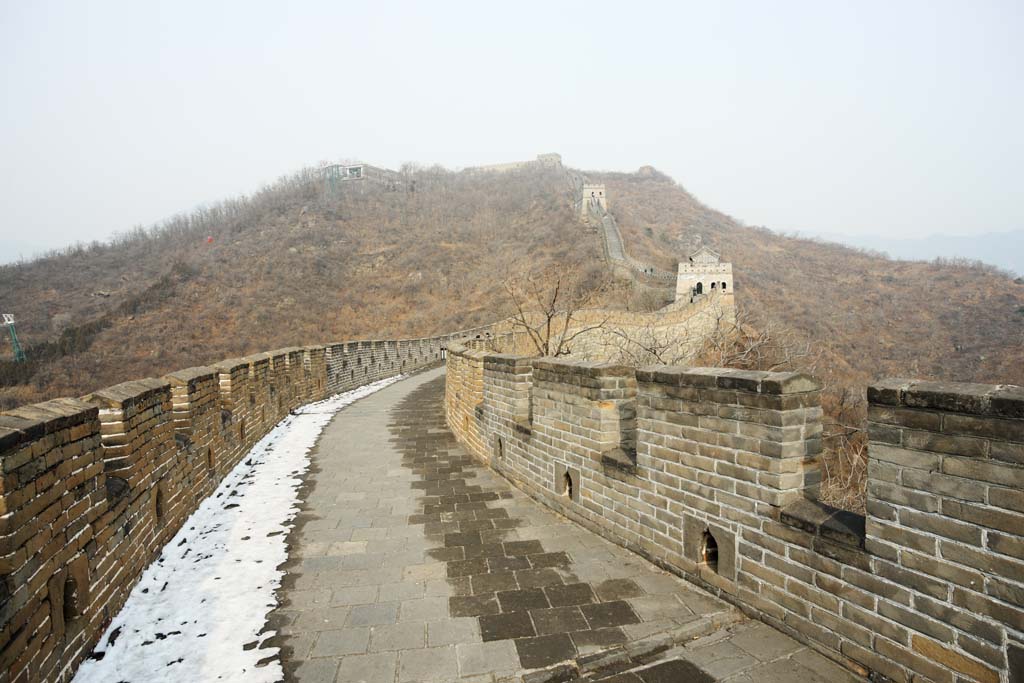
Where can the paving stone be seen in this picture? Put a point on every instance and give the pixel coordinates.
(345, 641)
(506, 626)
(300, 645)
(473, 606)
(367, 533)
(484, 551)
(570, 594)
(469, 567)
(423, 572)
(676, 671)
(487, 658)
(515, 548)
(430, 664)
(618, 589)
(626, 678)
(605, 614)
(508, 564)
(317, 671)
(764, 642)
(373, 615)
(721, 659)
(538, 578)
(598, 639)
(659, 607)
(371, 668)
(300, 599)
(558, 620)
(521, 600)
(347, 548)
(400, 636)
(354, 595)
(453, 631)
(423, 609)
(402, 590)
(320, 619)
(541, 560)
(544, 650)
(493, 582)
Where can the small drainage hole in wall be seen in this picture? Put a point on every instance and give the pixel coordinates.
(158, 506)
(567, 485)
(72, 610)
(499, 449)
(709, 551)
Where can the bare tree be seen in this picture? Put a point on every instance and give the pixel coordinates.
(547, 305)
(749, 343)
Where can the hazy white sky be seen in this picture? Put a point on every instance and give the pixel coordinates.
(898, 118)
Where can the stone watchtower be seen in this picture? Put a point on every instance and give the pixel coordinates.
(701, 274)
(593, 196)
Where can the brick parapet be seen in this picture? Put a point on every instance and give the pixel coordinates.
(92, 488)
(928, 586)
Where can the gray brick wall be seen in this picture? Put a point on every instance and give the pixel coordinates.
(713, 473)
(94, 488)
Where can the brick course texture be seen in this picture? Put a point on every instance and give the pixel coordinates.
(713, 474)
(93, 488)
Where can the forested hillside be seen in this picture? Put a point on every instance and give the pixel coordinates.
(300, 263)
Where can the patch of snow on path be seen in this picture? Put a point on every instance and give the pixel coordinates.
(211, 589)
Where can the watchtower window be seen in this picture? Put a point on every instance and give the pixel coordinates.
(714, 285)
(709, 551)
(699, 289)
(723, 286)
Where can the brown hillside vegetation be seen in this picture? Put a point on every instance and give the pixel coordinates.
(298, 264)
(295, 264)
(871, 317)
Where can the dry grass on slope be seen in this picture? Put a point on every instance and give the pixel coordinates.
(292, 265)
(866, 316)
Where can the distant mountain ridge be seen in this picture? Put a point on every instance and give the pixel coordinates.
(1001, 249)
(303, 262)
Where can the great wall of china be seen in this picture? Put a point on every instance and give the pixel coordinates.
(93, 488)
(707, 472)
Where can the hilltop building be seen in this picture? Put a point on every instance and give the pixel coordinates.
(593, 196)
(703, 273)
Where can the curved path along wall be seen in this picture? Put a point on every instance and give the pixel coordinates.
(712, 473)
(94, 487)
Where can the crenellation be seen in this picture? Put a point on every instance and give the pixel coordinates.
(930, 583)
(92, 488)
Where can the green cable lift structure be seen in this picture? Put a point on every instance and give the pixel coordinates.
(19, 353)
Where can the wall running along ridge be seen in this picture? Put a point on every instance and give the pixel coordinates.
(94, 487)
(713, 474)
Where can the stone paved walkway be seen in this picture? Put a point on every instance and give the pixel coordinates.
(411, 562)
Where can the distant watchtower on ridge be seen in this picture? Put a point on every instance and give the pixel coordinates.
(703, 273)
(593, 196)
